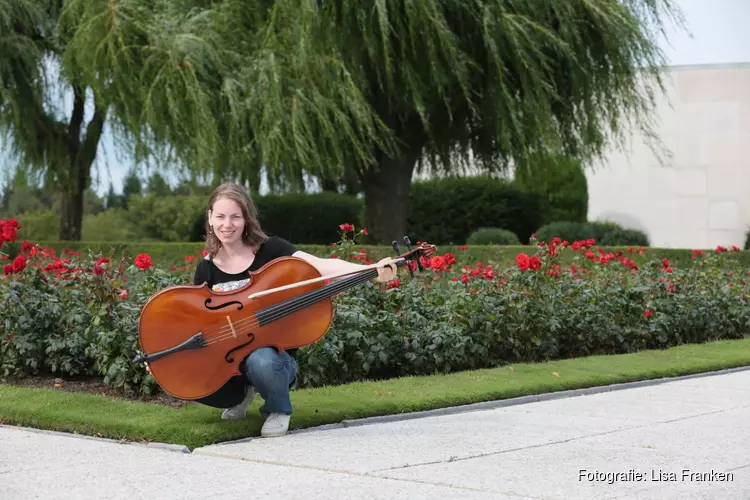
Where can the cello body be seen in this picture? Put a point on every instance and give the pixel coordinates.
(194, 339)
(217, 330)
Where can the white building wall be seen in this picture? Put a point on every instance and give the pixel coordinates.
(700, 197)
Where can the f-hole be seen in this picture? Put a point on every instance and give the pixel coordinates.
(230, 351)
(221, 306)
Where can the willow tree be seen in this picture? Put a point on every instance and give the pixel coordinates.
(34, 128)
(368, 87)
(69, 67)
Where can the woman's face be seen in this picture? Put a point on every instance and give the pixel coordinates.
(227, 221)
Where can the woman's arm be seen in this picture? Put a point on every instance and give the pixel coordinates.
(333, 266)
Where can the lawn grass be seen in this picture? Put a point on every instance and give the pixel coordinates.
(196, 425)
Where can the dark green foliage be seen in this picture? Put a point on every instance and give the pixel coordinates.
(171, 218)
(604, 232)
(565, 230)
(492, 236)
(309, 219)
(611, 233)
(447, 211)
(560, 185)
(167, 254)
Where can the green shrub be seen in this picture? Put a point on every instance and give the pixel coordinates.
(174, 254)
(492, 236)
(111, 225)
(559, 183)
(168, 218)
(40, 226)
(308, 218)
(613, 234)
(605, 233)
(447, 211)
(747, 240)
(566, 230)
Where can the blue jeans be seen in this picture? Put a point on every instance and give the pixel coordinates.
(272, 374)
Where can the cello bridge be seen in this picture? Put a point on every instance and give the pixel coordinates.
(234, 333)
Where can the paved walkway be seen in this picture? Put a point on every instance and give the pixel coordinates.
(684, 439)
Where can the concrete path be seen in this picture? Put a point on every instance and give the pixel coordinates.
(685, 439)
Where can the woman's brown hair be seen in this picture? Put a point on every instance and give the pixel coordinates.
(252, 234)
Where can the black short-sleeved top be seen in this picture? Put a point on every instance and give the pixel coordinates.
(218, 280)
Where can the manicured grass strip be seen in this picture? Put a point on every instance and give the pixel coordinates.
(197, 425)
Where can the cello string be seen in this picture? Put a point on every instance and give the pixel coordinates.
(270, 310)
(286, 309)
(315, 295)
(278, 311)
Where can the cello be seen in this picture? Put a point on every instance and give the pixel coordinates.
(194, 338)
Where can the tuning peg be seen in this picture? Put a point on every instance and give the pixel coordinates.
(395, 246)
(407, 242)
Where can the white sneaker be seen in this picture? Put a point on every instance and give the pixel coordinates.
(239, 411)
(276, 425)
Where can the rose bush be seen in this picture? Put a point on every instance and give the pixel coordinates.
(77, 314)
(74, 314)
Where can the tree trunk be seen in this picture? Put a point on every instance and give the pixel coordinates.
(387, 189)
(75, 178)
(71, 218)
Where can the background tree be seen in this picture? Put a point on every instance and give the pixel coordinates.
(158, 185)
(131, 186)
(112, 199)
(298, 86)
(56, 141)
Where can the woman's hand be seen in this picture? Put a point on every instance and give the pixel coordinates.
(388, 272)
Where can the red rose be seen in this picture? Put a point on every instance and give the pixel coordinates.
(143, 261)
(100, 266)
(19, 264)
(523, 261)
(9, 233)
(535, 263)
(438, 263)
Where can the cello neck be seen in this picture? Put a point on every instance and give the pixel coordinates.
(290, 306)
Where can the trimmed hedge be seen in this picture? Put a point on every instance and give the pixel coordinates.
(492, 236)
(448, 210)
(312, 218)
(444, 211)
(501, 255)
(606, 233)
(560, 184)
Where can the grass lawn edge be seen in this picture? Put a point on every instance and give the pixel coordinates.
(196, 425)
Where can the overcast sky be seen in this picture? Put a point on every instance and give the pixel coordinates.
(716, 37)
